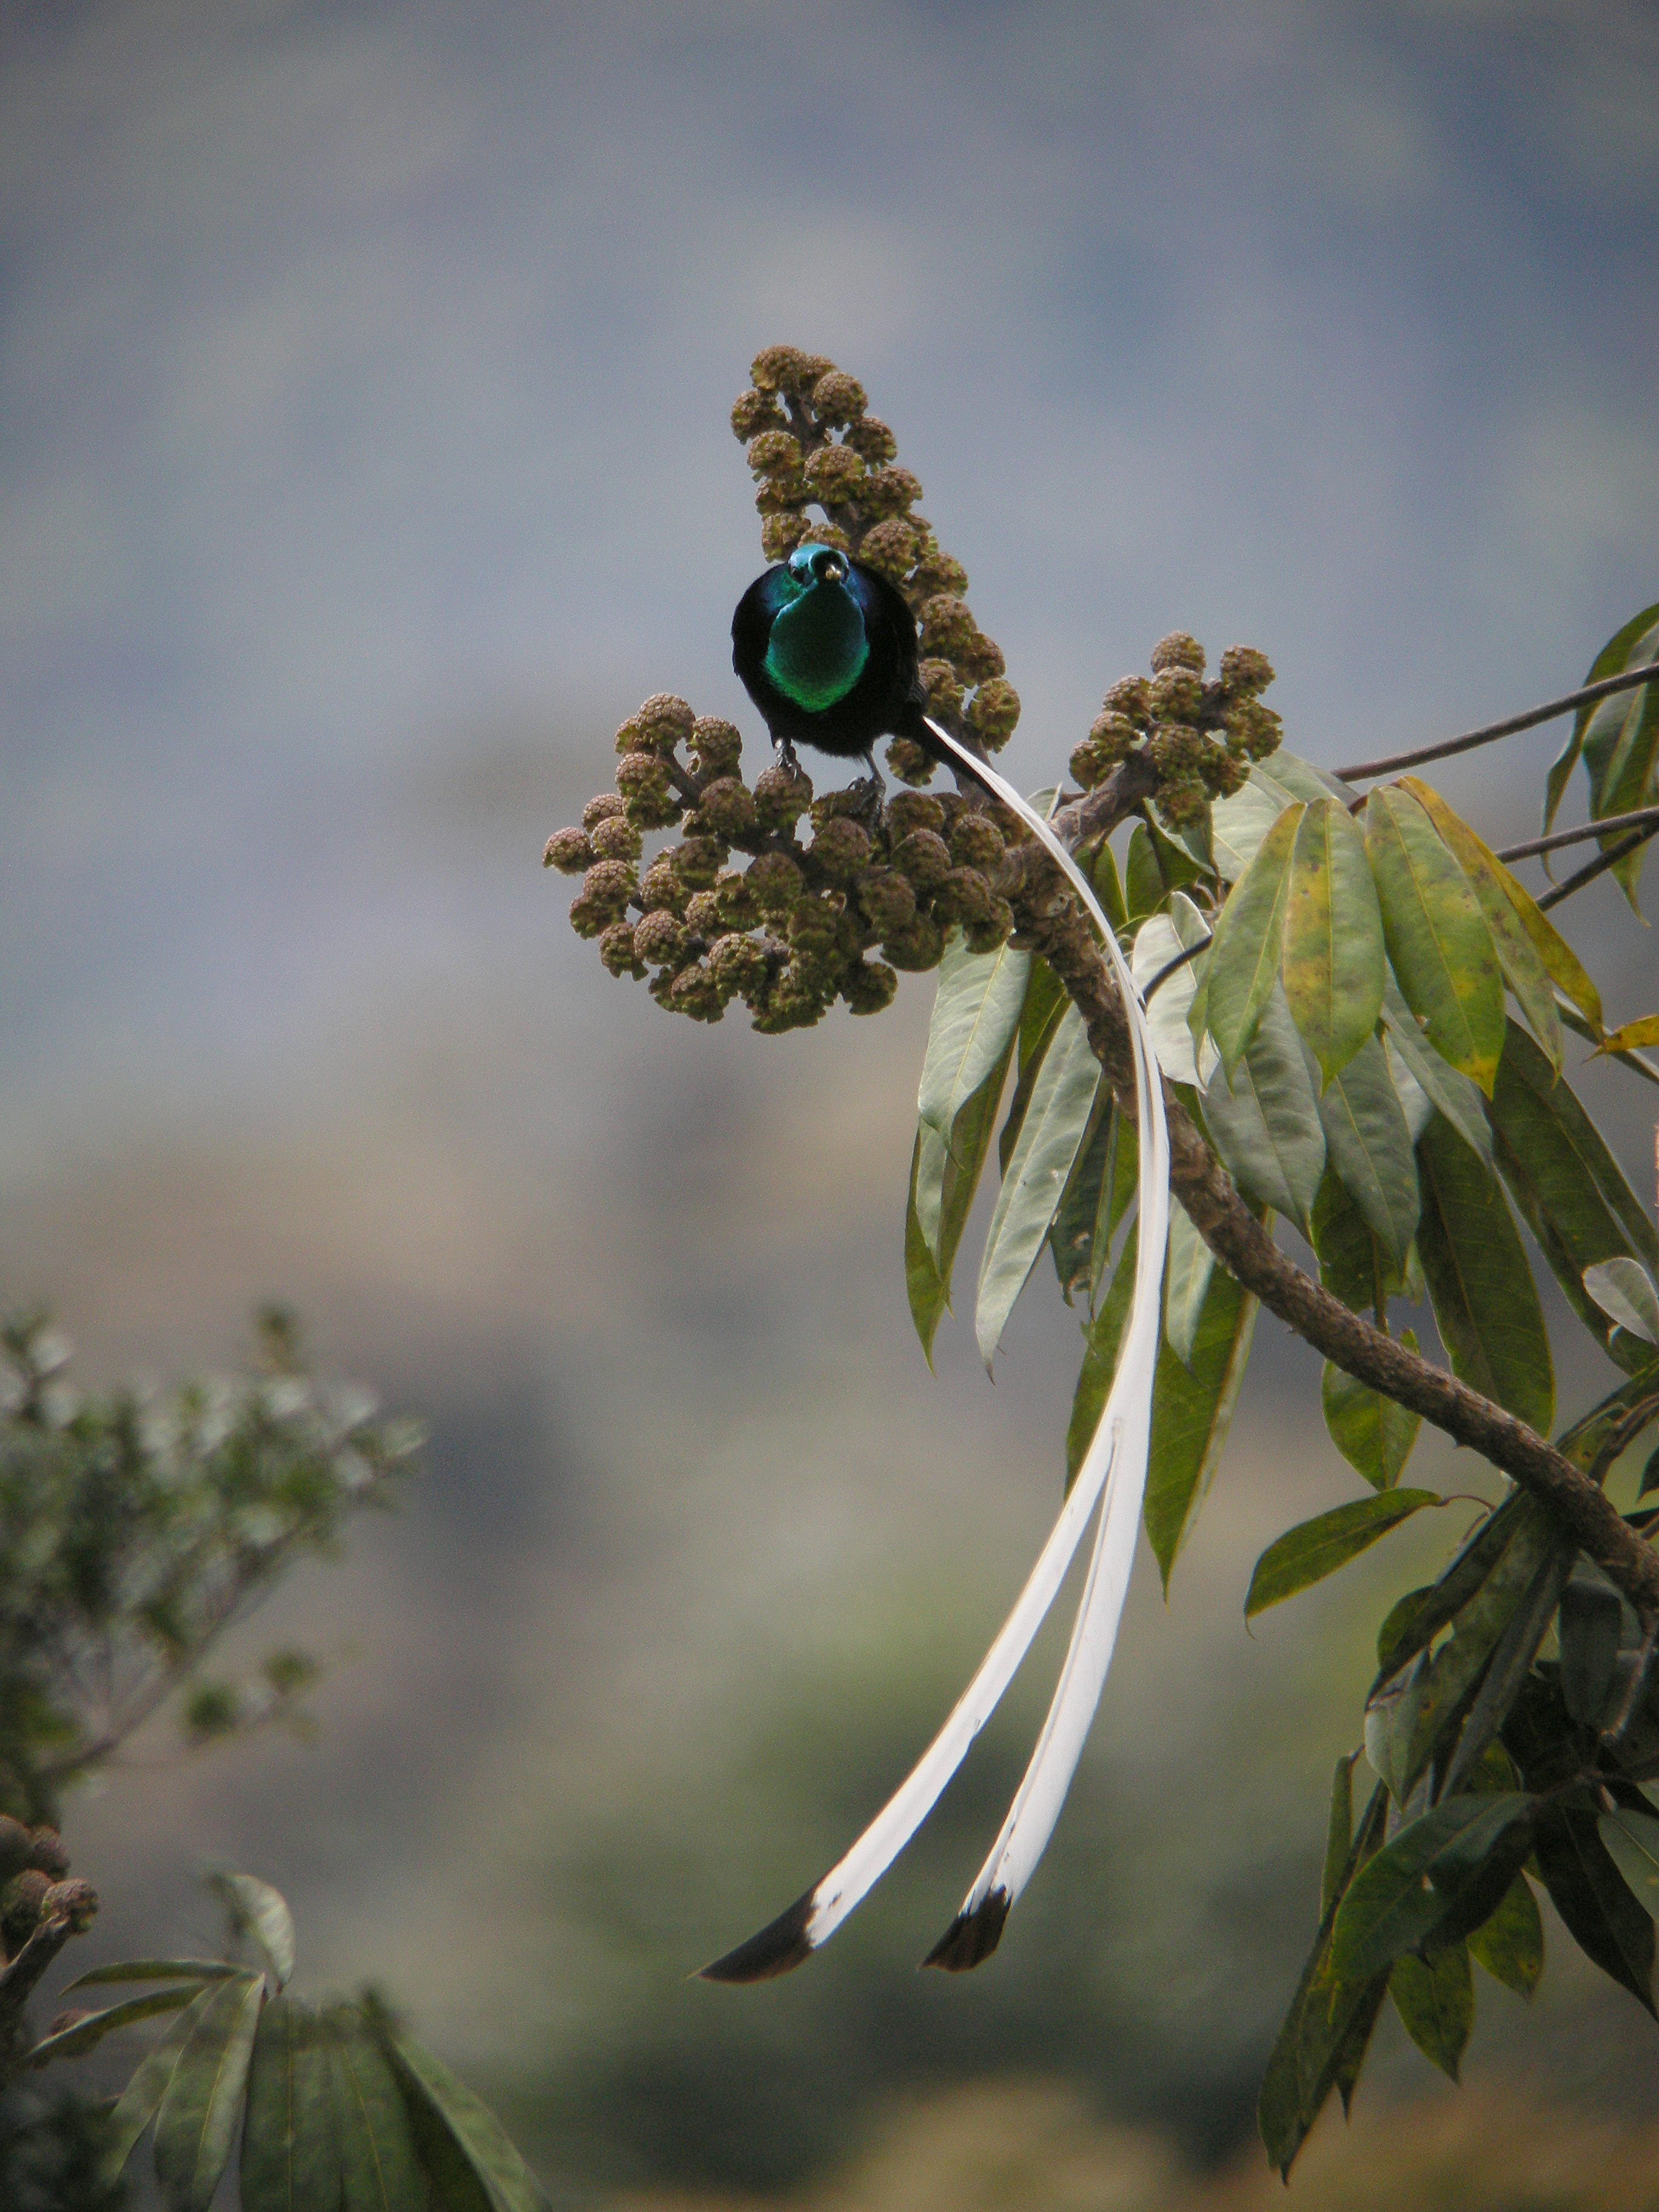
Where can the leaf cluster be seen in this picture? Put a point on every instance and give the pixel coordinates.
(137, 1525)
(334, 2107)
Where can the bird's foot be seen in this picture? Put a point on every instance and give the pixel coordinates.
(786, 755)
(869, 792)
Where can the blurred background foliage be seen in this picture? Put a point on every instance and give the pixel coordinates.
(366, 373)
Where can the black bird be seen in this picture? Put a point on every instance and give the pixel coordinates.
(827, 651)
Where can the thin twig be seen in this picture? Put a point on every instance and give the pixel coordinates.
(1174, 967)
(1626, 680)
(1604, 827)
(1596, 867)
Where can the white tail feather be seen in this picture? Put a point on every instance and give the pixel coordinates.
(1116, 1461)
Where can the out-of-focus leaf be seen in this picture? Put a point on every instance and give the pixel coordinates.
(1566, 1185)
(1621, 748)
(1369, 1146)
(1631, 1840)
(1186, 1271)
(1103, 1342)
(1267, 1127)
(1163, 939)
(1485, 1303)
(137, 2104)
(1510, 1944)
(1401, 1896)
(1419, 1616)
(1592, 1896)
(1624, 1290)
(1040, 1018)
(290, 2155)
(1071, 1239)
(1373, 1434)
(378, 2168)
(1625, 1056)
(1307, 1553)
(86, 2034)
(1334, 960)
(196, 2126)
(484, 2143)
(976, 1012)
(1249, 939)
(1118, 1185)
(1501, 901)
(1630, 1034)
(1352, 1267)
(1053, 1130)
(1192, 1411)
(156, 1970)
(1436, 2000)
(1437, 938)
(1339, 1834)
(1621, 651)
(256, 1910)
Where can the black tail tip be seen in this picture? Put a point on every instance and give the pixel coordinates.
(971, 1936)
(779, 1946)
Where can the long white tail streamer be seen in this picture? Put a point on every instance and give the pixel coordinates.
(1116, 1461)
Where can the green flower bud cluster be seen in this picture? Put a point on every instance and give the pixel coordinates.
(812, 443)
(1201, 736)
(825, 888)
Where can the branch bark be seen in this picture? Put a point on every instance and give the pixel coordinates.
(1054, 926)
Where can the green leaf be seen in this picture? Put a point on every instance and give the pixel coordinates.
(1191, 1411)
(1373, 1434)
(1510, 1944)
(1499, 898)
(1592, 1896)
(1632, 1842)
(1437, 2003)
(1322, 2043)
(1161, 939)
(157, 1970)
(1619, 652)
(1103, 870)
(86, 2034)
(1046, 1004)
(1421, 1615)
(290, 2152)
(1566, 1185)
(1061, 1101)
(1621, 748)
(1267, 1126)
(1118, 1186)
(1369, 1145)
(138, 2102)
(1624, 1290)
(1307, 1553)
(976, 1011)
(1103, 1342)
(1084, 1205)
(1334, 960)
(256, 1910)
(1401, 1896)
(1352, 1265)
(1485, 1303)
(478, 2135)
(1591, 1617)
(1437, 938)
(943, 1182)
(1508, 1668)
(1454, 1094)
(1188, 1266)
(197, 2124)
(1157, 865)
(1249, 936)
(379, 2172)
(1238, 824)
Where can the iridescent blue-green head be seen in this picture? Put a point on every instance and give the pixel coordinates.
(817, 646)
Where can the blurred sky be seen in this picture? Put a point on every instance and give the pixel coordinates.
(364, 373)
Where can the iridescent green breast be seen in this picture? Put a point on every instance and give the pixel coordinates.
(818, 648)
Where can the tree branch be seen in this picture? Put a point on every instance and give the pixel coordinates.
(1626, 681)
(1637, 817)
(1057, 930)
(1598, 866)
